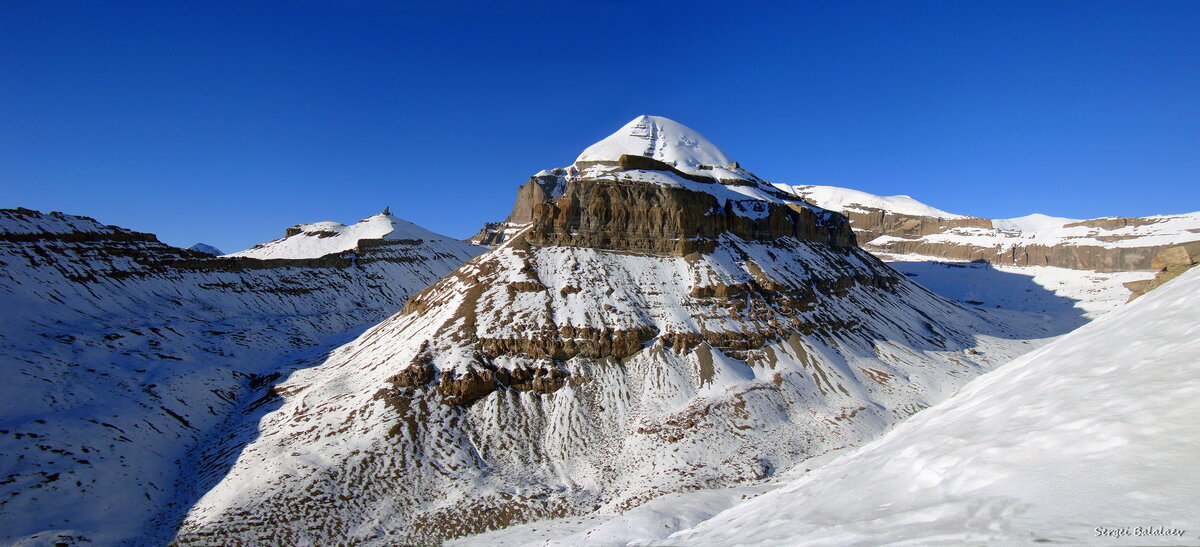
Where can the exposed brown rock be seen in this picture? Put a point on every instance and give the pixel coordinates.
(467, 388)
(644, 217)
(877, 222)
(1079, 257)
(1170, 263)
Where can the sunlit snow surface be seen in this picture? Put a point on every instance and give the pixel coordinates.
(1097, 431)
(843, 199)
(1054, 299)
(662, 139)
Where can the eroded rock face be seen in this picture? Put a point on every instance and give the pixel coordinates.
(872, 224)
(1078, 257)
(642, 217)
(1170, 263)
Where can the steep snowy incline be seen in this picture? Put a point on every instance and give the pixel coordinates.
(1091, 439)
(318, 239)
(645, 332)
(122, 355)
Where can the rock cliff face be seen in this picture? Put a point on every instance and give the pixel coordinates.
(900, 225)
(122, 356)
(646, 326)
(1170, 263)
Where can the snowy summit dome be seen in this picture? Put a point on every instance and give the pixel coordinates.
(660, 138)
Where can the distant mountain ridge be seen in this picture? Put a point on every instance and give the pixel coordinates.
(901, 225)
(317, 239)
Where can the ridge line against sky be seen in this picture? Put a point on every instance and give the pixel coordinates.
(229, 121)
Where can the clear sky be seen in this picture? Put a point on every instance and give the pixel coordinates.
(228, 122)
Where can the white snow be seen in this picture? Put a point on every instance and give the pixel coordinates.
(1092, 438)
(1006, 234)
(318, 239)
(662, 139)
(1032, 223)
(843, 199)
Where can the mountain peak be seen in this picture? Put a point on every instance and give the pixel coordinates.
(317, 239)
(659, 138)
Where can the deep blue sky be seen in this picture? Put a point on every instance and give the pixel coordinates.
(228, 122)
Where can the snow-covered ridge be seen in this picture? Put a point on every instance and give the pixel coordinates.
(1097, 430)
(1109, 232)
(1106, 243)
(846, 199)
(317, 239)
(28, 221)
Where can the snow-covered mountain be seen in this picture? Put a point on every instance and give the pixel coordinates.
(1091, 439)
(902, 225)
(205, 248)
(317, 239)
(123, 357)
(655, 319)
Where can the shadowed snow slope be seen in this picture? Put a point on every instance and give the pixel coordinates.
(1097, 430)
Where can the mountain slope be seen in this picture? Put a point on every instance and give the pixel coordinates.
(1092, 438)
(901, 225)
(646, 327)
(121, 355)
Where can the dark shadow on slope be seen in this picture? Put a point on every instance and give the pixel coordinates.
(215, 455)
(1009, 298)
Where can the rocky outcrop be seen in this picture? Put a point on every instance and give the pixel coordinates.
(1170, 263)
(644, 217)
(870, 224)
(1078, 257)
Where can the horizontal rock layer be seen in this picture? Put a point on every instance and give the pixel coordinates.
(645, 217)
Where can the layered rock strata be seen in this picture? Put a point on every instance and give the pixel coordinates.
(1169, 263)
(1102, 244)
